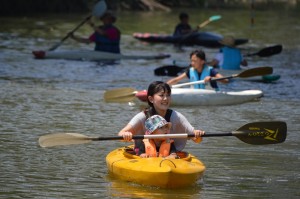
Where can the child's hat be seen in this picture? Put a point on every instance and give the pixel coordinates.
(154, 122)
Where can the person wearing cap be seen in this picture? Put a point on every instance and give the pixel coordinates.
(199, 70)
(161, 147)
(106, 37)
(159, 99)
(229, 57)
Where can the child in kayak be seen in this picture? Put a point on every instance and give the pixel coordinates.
(199, 70)
(158, 147)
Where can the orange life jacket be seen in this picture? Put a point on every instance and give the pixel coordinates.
(150, 148)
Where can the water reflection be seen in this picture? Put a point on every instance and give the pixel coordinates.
(121, 189)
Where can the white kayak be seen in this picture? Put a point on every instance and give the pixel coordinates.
(91, 55)
(205, 97)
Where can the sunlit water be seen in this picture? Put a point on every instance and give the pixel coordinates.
(45, 96)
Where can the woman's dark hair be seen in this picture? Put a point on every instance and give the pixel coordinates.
(199, 53)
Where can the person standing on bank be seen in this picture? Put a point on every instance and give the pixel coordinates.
(229, 57)
(106, 37)
(159, 99)
(199, 70)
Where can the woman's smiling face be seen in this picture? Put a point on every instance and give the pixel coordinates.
(161, 100)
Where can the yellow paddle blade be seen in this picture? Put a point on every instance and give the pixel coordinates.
(120, 95)
(58, 139)
(123, 99)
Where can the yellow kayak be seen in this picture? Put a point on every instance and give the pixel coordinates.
(157, 171)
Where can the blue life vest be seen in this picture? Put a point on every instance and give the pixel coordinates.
(231, 58)
(195, 77)
(105, 44)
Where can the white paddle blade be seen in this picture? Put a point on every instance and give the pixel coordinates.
(99, 8)
(59, 139)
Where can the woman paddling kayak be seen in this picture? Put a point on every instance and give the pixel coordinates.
(159, 99)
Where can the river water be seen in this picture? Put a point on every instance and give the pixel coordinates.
(47, 96)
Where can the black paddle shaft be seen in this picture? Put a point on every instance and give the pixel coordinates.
(69, 34)
(143, 136)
